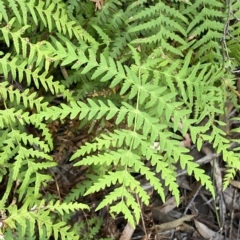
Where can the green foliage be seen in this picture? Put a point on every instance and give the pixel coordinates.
(146, 67)
(232, 31)
(32, 213)
(89, 230)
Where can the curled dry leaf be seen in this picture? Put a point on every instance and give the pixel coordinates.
(207, 233)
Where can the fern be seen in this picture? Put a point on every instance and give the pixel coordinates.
(208, 48)
(90, 230)
(39, 214)
(145, 68)
(25, 157)
(160, 22)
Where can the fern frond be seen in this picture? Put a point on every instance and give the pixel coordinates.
(31, 175)
(105, 38)
(18, 137)
(116, 139)
(107, 10)
(192, 167)
(231, 172)
(39, 214)
(162, 62)
(54, 15)
(80, 189)
(124, 207)
(34, 120)
(164, 24)
(3, 11)
(124, 178)
(28, 99)
(22, 70)
(13, 4)
(208, 47)
(63, 208)
(79, 107)
(33, 53)
(232, 36)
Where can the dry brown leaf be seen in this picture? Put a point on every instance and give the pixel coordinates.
(173, 224)
(186, 228)
(228, 197)
(98, 3)
(127, 232)
(169, 205)
(235, 184)
(207, 233)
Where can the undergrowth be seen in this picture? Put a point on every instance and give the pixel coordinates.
(151, 70)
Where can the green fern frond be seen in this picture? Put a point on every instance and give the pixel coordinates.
(90, 229)
(124, 178)
(10, 116)
(28, 99)
(55, 16)
(163, 64)
(3, 11)
(39, 214)
(116, 139)
(33, 53)
(26, 139)
(232, 36)
(229, 175)
(34, 120)
(63, 208)
(193, 168)
(13, 4)
(161, 23)
(208, 47)
(80, 189)
(107, 10)
(31, 175)
(35, 77)
(15, 36)
(29, 235)
(93, 110)
(105, 38)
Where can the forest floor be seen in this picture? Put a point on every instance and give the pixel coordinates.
(198, 216)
